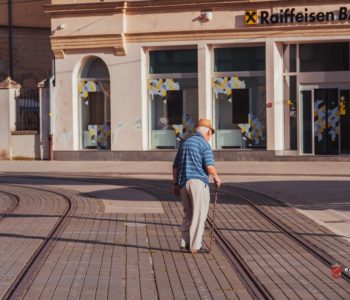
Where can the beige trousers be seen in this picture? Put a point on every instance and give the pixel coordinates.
(195, 198)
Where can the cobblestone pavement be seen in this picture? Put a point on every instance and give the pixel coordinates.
(22, 231)
(103, 255)
(107, 251)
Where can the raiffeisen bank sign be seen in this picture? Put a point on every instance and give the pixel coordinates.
(292, 16)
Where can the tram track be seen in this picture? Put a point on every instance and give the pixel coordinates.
(254, 287)
(252, 283)
(27, 274)
(320, 254)
(15, 202)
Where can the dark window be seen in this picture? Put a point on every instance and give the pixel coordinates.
(240, 106)
(239, 59)
(96, 107)
(27, 110)
(173, 61)
(307, 121)
(174, 107)
(293, 105)
(324, 57)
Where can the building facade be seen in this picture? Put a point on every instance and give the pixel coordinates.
(274, 76)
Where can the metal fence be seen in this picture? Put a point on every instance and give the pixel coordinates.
(27, 110)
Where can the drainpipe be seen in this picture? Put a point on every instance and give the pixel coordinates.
(10, 32)
(51, 85)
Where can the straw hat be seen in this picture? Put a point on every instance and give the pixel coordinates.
(205, 123)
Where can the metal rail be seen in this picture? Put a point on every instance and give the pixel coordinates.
(251, 283)
(314, 250)
(27, 110)
(249, 280)
(28, 273)
(15, 203)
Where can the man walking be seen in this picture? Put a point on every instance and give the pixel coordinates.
(192, 166)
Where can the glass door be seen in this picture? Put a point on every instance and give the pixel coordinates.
(306, 122)
(324, 123)
(344, 113)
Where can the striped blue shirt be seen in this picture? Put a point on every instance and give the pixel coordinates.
(192, 159)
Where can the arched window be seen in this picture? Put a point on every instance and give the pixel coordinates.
(95, 106)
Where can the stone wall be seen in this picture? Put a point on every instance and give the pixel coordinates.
(31, 43)
(31, 55)
(25, 13)
(3, 54)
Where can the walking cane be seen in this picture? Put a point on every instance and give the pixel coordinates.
(213, 221)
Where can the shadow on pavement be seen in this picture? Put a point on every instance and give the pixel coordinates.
(306, 195)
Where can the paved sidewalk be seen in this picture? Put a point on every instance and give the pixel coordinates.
(113, 255)
(129, 235)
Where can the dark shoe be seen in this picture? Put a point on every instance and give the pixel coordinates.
(199, 251)
(187, 248)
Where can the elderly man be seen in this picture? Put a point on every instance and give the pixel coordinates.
(193, 163)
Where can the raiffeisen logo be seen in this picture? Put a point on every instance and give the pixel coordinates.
(291, 15)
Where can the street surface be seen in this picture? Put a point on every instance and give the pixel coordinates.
(119, 236)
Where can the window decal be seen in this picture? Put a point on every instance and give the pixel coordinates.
(161, 86)
(252, 132)
(225, 85)
(320, 119)
(186, 129)
(334, 123)
(86, 87)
